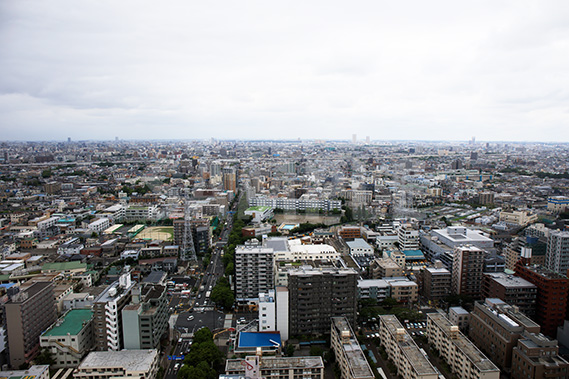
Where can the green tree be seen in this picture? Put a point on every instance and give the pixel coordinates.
(230, 269)
(46, 173)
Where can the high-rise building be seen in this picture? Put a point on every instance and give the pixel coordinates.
(497, 327)
(511, 289)
(27, 314)
(467, 267)
(557, 255)
(253, 270)
(229, 179)
(436, 282)
(145, 320)
(317, 295)
(408, 237)
(354, 138)
(107, 310)
(536, 356)
(551, 301)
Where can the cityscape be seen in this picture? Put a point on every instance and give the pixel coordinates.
(284, 190)
(273, 259)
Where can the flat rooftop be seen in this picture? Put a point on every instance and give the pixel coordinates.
(510, 280)
(260, 208)
(475, 356)
(130, 360)
(416, 359)
(277, 363)
(359, 366)
(259, 339)
(71, 323)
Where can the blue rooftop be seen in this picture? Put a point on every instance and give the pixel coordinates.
(258, 339)
(413, 254)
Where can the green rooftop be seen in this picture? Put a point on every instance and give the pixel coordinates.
(260, 208)
(64, 266)
(72, 324)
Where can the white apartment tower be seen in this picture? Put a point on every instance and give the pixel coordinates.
(253, 270)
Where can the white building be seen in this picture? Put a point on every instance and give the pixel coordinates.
(267, 312)
(141, 213)
(99, 225)
(253, 270)
(359, 247)
(141, 364)
(408, 237)
(259, 213)
(282, 312)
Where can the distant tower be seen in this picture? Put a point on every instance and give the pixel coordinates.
(354, 138)
(473, 140)
(229, 179)
(368, 140)
(68, 139)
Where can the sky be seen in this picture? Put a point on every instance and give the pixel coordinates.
(391, 70)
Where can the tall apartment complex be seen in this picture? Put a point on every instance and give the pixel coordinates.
(27, 314)
(467, 268)
(557, 255)
(145, 320)
(436, 283)
(317, 295)
(551, 300)
(229, 178)
(107, 310)
(511, 289)
(253, 270)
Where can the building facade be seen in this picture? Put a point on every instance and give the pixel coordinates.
(467, 267)
(317, 295)
(512, 290)
(253, 270)
(26, 315)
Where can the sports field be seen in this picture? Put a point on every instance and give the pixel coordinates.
(164, 233)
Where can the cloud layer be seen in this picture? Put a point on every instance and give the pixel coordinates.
(259, 69)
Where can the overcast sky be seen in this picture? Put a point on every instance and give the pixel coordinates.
(428, 70)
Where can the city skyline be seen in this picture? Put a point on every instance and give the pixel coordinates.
(437, 71)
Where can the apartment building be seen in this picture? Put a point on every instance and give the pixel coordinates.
(557, 204)
(551, 300)
(459, 316)
(403, 351)
(536, 356)
(557, 255)
(34, 372)
(27, 314)
(462, 356)
(520, 218)
(267, 312)
(349, 233)
(512, 290)
(107, 309)
(467, 268)
(496, 327)
(141, 364)
(385, 268)
(276, 367)
(253, 270)
(408, 237)
(376, 289)
(145, 320)
(317, 295)
(70, 338)
(295, 204)
(359, 247)
(436, 283)
(349, 355)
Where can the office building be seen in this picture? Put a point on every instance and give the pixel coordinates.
(267, 312)
(511, 289)
(463, 358)
(70, 339)
(518, 218)
(349, 355)
(385, 268)
(253, 270)
(408, 237)
(439, 242)
(141, 364)
(403, 351)
(551, 300)
(317, 295)
(27, 314)
(107, 309)
(459, 316)
(557, 255)
(467, 267)
(145, 320)
(557, 204)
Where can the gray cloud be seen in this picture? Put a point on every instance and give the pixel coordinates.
(257, 69)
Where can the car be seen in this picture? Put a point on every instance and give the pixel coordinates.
(176, 366)
(191, 317)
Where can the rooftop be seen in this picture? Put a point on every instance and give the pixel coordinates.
(71, 323)
(479, 360)
(359, 366)
(130, 360)
(259, 208)
(267, 363)
(259, 339)
(418, 361)
(510, 280)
